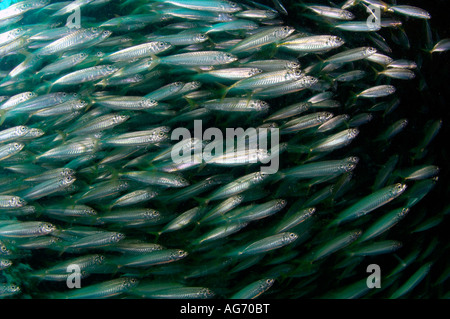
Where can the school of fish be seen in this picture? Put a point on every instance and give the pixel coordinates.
(91, 91)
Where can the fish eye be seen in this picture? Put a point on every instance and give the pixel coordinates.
(14, 288)
(269, 281)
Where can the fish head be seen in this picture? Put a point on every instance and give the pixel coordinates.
(194, 85)
(120, 118)
(403, 212)
(151, 214)
(163, 45)
(290, 237)
(283, 32)
(5, 263)
(369, 51)
(117, 237)
(311, 211)
(21, 130)
(267, 283)
(81, 56)
(200, 37)
(29, 95)
(130, 282)
(148, 102)
(16, 147)
(111, 69)
(181, 181)
(295, 74)
(13, 288)
(403, 123)
(352, 133)
(292, 65)
(67, 172)
(347, 15)
(325, 116)
(47, 228)
(18, 32)
(123, 185)
(281, 203)
(179, 254)
(237, 199)
(353, 159)
(43, 2)
(35, 132)
(232, 7)
(16, 201)
(106, 34)
(93, 32)
(335, 41)
(136, 78)
(260, 176)
(398, 189)
(89, 211)
(225, 17)
(67, 181)
(225, 57)
(348, 167)
(80, 105)
(356, 234)
(3, 250)
(206, 293)
(254, 71)
(99, 259)
(259, 105)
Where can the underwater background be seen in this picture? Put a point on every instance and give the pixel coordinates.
(328, 257)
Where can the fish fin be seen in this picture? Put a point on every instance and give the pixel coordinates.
(192, 104)
(202, 201)
(2, 116)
